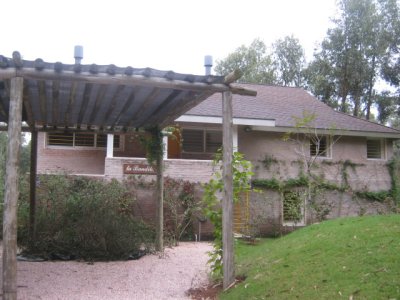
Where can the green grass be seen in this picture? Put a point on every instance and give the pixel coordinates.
(351, 258)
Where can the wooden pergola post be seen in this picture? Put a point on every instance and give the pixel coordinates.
(32, 181)
(227, 199)
(160, 195)
(12, 191)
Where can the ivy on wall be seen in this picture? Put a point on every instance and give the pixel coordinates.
(319, 183)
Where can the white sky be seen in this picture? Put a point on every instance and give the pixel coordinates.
(166, 35)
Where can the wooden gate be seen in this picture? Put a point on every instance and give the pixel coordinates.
(241, 214)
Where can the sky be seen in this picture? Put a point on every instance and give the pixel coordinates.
(165, 35)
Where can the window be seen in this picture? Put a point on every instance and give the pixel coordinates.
(293, 208)
(320, 146)
(79, 139)
(375, 149)
(201, 141)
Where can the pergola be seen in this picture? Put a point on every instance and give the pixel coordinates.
(41, 96)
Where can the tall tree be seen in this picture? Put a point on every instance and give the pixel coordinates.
(391, 23)
(354, 51)
(289, 60)
(253, 61)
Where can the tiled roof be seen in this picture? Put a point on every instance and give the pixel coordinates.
(284, 103)
(94, 97)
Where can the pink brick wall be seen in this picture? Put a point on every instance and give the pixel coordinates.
(66, 160)
(192, 170)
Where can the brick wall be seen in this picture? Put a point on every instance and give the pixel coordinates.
(68, 160)
(191, 170)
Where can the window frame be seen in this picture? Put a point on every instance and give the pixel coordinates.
(203, 140)
(382, 145)
(328, 152)
(74, 146)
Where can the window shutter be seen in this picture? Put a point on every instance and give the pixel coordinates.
(193, 140)
(374, 148)
(60, 139)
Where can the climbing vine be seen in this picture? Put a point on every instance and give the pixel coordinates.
(212, 209)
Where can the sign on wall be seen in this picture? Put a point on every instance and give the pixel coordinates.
(139, 168)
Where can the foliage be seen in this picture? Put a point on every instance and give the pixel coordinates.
(379, 196)
(394, 171)
(268, 161)
(292, 206)
(348, 64)
(24, 159)
(289, 60)
(272, 184)
(181, 205)
(152, 141)
(349, 258)
(212, 209)
(82, 218)
(255, 64)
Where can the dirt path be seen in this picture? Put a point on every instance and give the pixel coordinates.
(150, 277)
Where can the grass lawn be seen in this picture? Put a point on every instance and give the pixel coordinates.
(350, 258)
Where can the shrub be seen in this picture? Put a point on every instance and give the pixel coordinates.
(181, 205)
(83, 218)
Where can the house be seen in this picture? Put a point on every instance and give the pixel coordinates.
(349, 156)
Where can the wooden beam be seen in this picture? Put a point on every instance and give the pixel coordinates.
(160, 197)
(125, 108)
(56, 101)
(99, 99)
(113, 103)
(146, 103)
(185, 105)
(166, 103)
(70, 107)
(233, 76)
(86, 97)
(227, 197)
(42, 100)
(32, 194)
(12, 191)
(243, 91)
(129, 80)
(28, 107)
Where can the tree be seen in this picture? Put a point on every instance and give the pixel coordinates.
(347, 65)
(253, 61)
(289, 61)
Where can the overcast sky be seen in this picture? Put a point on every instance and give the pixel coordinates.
(166, 35)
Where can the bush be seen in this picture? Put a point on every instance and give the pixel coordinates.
(82, 218)
(180, 207)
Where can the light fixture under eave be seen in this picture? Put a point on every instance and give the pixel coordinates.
(248, 129)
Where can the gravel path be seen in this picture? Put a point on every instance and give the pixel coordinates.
(151, 277)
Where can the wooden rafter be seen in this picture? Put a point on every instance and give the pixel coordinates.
(71, 101)
(56, 101)
(86, 97)
(128, 103)
(99, 99)
(42, 100)
(113, 104)
(149, 101)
